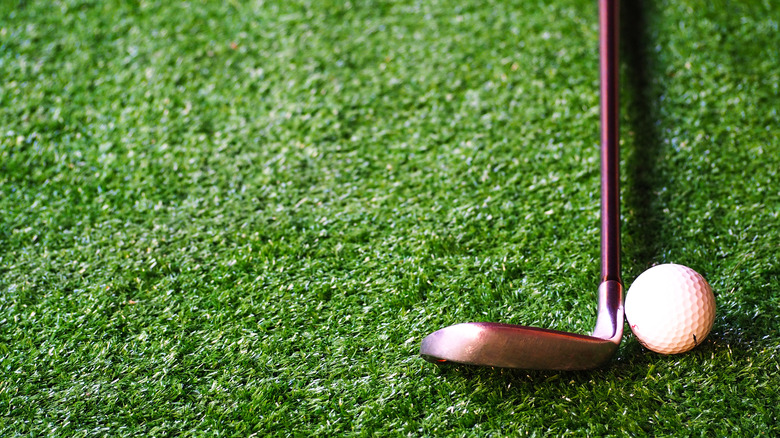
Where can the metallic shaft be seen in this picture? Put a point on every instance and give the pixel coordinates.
(610, 157)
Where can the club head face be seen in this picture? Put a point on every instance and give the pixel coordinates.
(515, 346)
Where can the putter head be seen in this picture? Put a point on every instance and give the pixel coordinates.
(515, 346)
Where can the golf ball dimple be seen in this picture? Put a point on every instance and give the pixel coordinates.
(670, 308)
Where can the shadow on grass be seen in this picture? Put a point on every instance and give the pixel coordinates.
(642, 220)
(737, 328)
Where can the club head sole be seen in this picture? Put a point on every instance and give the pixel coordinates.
(515, 346)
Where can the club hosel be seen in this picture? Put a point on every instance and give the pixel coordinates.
(609, 320)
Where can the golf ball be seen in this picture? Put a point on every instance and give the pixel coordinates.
(670, 308)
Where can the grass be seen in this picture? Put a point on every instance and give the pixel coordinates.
(241, 218)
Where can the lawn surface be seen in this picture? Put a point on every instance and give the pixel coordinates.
(237, 218)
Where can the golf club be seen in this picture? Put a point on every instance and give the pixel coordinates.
(514, 346)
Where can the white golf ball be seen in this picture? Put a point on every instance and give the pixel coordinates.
(670, 308)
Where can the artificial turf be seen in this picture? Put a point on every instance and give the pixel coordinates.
(241, 218)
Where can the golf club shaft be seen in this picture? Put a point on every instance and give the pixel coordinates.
(610, 157)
